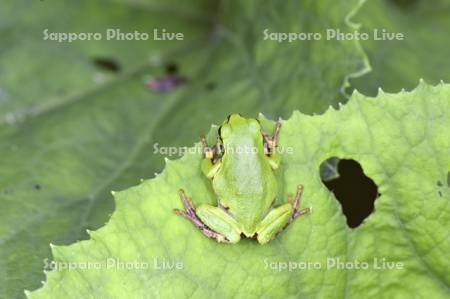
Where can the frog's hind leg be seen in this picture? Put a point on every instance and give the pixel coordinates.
(220, 221)
(273, 222)
(279, 218)
(190, 214)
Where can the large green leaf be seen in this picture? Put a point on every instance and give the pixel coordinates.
(405, 151)
(401, 63)
(71, 131)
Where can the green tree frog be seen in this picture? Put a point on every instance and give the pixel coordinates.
(241, 168)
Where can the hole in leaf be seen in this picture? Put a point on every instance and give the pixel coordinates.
(354, 190)
(107, 64)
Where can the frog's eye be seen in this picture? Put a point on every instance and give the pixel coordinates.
(224, 131)
(254, 125)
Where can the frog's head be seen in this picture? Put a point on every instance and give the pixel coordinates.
(235, 125)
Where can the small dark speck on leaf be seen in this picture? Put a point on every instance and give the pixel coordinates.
(171, 68)
(210, 86)
(439, 183)
(107, 64)
(405, 4)
(37, 187)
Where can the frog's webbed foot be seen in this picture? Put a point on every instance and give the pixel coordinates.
(295, 203)
(189, 213)
(271, 142)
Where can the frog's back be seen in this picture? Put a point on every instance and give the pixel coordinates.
(245, 184)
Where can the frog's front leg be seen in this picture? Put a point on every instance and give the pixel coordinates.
(270, 146)
(214, 222)
(279, 218)
(271, 142)
(210, 165)
(208, 151)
